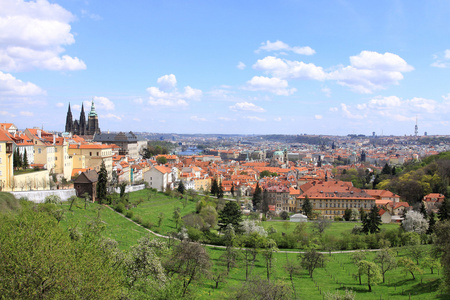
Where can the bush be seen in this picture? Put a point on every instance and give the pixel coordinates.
(284, 215)
(194, 234)
(129, 214)
(138, 219)
(120, 208)
(148, 225)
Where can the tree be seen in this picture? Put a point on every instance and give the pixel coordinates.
(102, 183)
(229, 258)
(160, 219)
(190, 261)
(372, 271)
(230, 214)
(307, 207)
(214, 187)
(423, 210)
(268, 253)
(347, 214)
(265, 173)
(431, 222)
(442, 247)
(143, 266)
(386, 260)
(410, 266)
(349, 295)
(356, 258)
(161, 160)
(386, 170)
(257, 197)
(284, 215)
(232, 189)
(372, 221)
(260, 289)
(311, 260)
(444, 210)
(265, 202)
(321, 224)
(415, 222)
(431, 263)
(181, 187)
(25, 163)
(220, 191)
(30, 271)
(177, 216)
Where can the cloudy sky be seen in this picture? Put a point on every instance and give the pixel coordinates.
(250, 67)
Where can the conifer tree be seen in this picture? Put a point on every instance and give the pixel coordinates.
(25, 163)
(102, 183)
(181, 187)
(214, 187)
(257, 195)
(220, 191)
(307, 207)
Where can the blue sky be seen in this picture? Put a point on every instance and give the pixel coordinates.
(246, 67)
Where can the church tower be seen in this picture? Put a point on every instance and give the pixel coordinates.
(69, 121)
(82, 121)
(92, 126)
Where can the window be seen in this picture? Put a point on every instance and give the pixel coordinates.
(90, 153)
(39, 150)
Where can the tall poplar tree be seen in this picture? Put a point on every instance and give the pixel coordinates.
(102, 183)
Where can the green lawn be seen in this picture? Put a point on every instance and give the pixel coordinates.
(336, 228)
(156, 203)
(116, 227)
(337, 275)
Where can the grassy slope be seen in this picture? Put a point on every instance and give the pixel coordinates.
(8, 203)
(336, 276)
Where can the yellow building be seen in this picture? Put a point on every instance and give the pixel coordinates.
(44, 148)
(63, 161)
(6, 161)
(202, 184)
(93, 156)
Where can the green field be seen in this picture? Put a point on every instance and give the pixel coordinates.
(337, 275)
(336, 228)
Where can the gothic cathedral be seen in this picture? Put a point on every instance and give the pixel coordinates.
(79, 127)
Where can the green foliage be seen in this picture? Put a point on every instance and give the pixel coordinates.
(39, 260)
(371, 221)
(162, 160)
(371, 271)
(230, 214)
(444, 210)
(8, 203)
(181, 187)
(284, 215)
(214, 187)
(347, 214)
(257, 196)
(307, 207)
(102, 183)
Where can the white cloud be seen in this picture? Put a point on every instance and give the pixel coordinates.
(87, 14)
(27, 113)
(370, 71)
(111, 116)
(138, 101)
(334, 109)
(226, 119)
(278, 119)
(168, 95)
(273, 85)
(103, 103)
(252, 118)
(346, 112)
(442, 60)
(241, 65)
(246, 106)
(137, 119)
(288, 69)
(59, 104)
(32, 35)
(76, 107)
(10, 86)
(281, 46)
(318, 117)
(197, 119)
(167, 82)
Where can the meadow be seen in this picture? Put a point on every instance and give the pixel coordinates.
(337, 275)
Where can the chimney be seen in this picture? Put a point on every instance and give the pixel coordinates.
(39, 133)
(54, 139)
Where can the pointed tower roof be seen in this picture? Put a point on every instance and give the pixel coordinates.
(92, 113)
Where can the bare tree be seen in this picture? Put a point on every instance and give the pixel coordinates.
(321, 225)
(190, 261)
(311, 260)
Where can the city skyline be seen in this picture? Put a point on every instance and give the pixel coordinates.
(284, 67)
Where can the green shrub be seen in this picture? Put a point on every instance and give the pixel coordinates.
(138, 219)
(148, 224)
(129, 214)
(194, 234)
(120, 208)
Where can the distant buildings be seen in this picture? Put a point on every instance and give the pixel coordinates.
(80, 127)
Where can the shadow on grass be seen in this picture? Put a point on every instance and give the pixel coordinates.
(425, 287)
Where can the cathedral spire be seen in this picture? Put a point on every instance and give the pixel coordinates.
(69, 121)
(82, 121)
